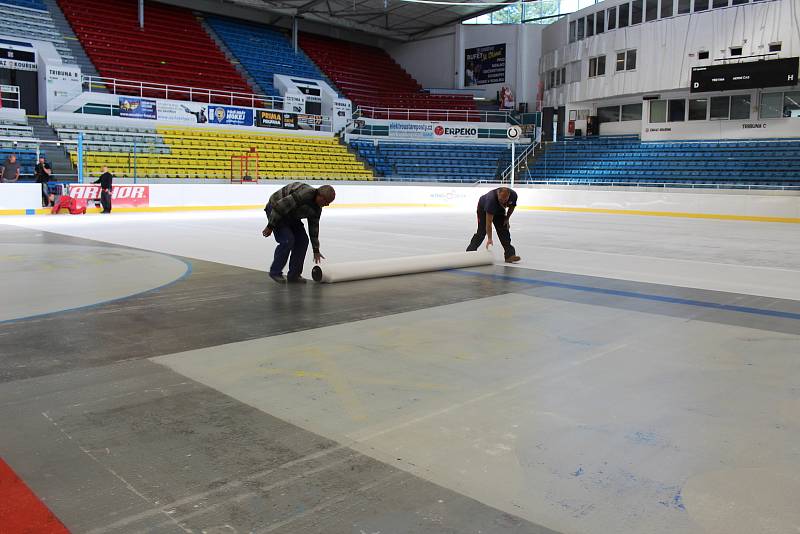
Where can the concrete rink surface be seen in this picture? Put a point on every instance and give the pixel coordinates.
(632, 374)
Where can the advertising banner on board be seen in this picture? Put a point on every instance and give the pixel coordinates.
(484, 65)
(137, 108)
(408, 129)
(233, 116)
(443, 131)
(275, 119)
(189, 112)
(122, 196)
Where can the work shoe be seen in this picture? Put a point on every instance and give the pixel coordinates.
(296, 280)
(512, 259)
(279, 278)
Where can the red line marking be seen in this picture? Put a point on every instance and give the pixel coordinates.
(21, 511)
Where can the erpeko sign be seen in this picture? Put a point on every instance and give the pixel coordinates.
(441, 131)
(122, 196)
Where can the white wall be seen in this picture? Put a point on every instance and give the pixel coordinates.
(438, 60)
(431, 60)
(775, 204)
(667, 48)
(20, 196)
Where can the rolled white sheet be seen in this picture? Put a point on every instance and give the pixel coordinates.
(361, 270)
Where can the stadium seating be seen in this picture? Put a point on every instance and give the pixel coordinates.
(248, 42)
(172, 49)
(624, 160)
(437, 162)
(29, 19)
(207, 153)
(370, 77)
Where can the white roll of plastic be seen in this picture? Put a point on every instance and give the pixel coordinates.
(362, 270)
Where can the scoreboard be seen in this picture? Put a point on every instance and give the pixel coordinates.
(751, 75)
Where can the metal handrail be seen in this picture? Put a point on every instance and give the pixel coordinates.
(435, 115)
(521, 157)
(194, 94)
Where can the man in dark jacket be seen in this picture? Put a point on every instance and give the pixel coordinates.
(285, 210)
(105, 189)
(43, 173)
(495, 209)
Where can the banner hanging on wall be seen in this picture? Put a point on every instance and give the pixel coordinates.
(484, 65)
(122, 196)
(138, 108)
(232, 116)
(275, 119)
(170, 110)
(410, 129)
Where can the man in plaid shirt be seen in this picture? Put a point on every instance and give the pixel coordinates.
(285, 210)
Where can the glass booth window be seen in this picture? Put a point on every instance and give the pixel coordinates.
(698, 109)
(632, 112)
(608, 114)
(771, 105)
(658, 111)
(666, 8)
(740, 107)
(637, 7)
(791, 104)
(720, 107)
(677, 110)
(720, 3)
(684, 6)
(700, 5)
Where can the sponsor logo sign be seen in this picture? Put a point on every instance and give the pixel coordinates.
(122, 196)
(275, 119)
(189, 112)
(485, 65)
(410, 129)
(442, 131)
(230, 115)
(137, 108)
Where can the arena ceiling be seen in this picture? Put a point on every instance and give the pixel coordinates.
(396, 19)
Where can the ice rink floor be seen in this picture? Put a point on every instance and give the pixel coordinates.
(632, 374)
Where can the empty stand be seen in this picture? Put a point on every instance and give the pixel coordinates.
(371, 78)
(249, 42)
(206, 153)
(625, 160)
(172, 49)
(438, 162)
(29, 19)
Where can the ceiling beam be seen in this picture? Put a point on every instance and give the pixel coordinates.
(462, 18)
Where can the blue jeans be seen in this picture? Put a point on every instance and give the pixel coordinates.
(292, 246)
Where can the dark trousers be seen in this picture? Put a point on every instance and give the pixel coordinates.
(292, 246)
(45, 194)
(499, 229)
(105, 200)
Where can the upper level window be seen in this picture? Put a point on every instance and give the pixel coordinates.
(580, 29)
(651, 10)
(572, 31)
(632, 112)
(736, 50)
(658, 111)
(703, 54)
(597, 66)
(666, 8)
(684, 6)
(589, 25)
(637, 6)
(599, 24)
(775, 47)
(624, 13)
(720, 3)
(612, 17)
(739, 2)
(700, 5)
(626, 60)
